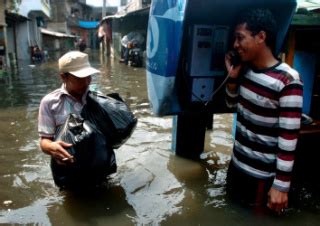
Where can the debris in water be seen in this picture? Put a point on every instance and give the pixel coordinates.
(7, 202)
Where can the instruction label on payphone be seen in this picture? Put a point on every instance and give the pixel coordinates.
(209, 44)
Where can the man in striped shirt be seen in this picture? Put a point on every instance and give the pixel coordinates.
(268, 97)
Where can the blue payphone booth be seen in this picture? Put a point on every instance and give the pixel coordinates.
(186, 44)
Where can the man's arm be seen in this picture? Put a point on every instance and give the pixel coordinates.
(46, 129)
(290, 103)
(56, 149)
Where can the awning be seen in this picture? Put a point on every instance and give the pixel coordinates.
(309, 5)
(14, 17)
(121, 14)
(88, 24)
(56, 34)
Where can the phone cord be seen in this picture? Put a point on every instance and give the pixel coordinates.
(213, 93)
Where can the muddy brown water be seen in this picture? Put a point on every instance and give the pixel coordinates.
(152, 185)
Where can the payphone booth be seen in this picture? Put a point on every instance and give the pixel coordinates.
(186, 45)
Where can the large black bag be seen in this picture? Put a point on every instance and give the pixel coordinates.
(94, 157)
(111, 115)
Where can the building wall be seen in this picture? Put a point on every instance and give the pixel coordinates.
(88, 35)
(3, 37)
(26, 34)
(59, 11)
(21, 36)
(123, 2)
(10, 43)
(2, 14)
(81, 33)
(23, 52)
(34, 5)
(66, 15)
(57, 46)
(71, 8)
(59, 27)
(12, 49)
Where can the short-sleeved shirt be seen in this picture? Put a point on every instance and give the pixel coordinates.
(54, 110)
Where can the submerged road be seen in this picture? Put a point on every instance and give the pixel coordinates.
(152, 185)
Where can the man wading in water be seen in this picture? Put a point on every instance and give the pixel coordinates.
(268, 97)
(75, 72)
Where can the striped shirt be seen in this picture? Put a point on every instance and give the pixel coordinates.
(269, 104)
(54, 110)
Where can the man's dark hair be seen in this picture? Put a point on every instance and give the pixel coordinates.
(260, 20)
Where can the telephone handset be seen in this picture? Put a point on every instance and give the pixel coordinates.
(235, 58)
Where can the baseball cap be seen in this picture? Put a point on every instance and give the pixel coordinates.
(77, 64)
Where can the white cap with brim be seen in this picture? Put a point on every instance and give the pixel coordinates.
(77, 64)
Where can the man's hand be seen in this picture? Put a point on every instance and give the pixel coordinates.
(277, 200)
(57, 150)
(233, 71)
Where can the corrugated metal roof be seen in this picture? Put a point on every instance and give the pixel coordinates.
(56, 34)
(132, 13)
(12, 16)
(309, 5)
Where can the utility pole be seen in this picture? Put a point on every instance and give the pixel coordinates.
(104, 9)
(103, 44)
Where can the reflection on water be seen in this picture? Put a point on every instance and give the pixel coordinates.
(152, 186)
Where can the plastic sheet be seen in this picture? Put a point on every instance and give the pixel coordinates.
(94, 157)
(111, 115)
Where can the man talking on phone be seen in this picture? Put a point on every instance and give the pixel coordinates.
(267, 95)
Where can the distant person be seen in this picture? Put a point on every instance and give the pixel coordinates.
(82, 45)
(129, 41)
(37, 55)
(101, 33)
(108, 37)
(75, 72)
(105, 35)
(267, 94)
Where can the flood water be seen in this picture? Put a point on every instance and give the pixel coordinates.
(151, 187)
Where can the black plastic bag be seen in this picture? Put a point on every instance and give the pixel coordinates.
(94, 158)
(111, 115)
(74, 131)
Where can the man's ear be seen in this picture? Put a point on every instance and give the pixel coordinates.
(63, 76)
(261, 37)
